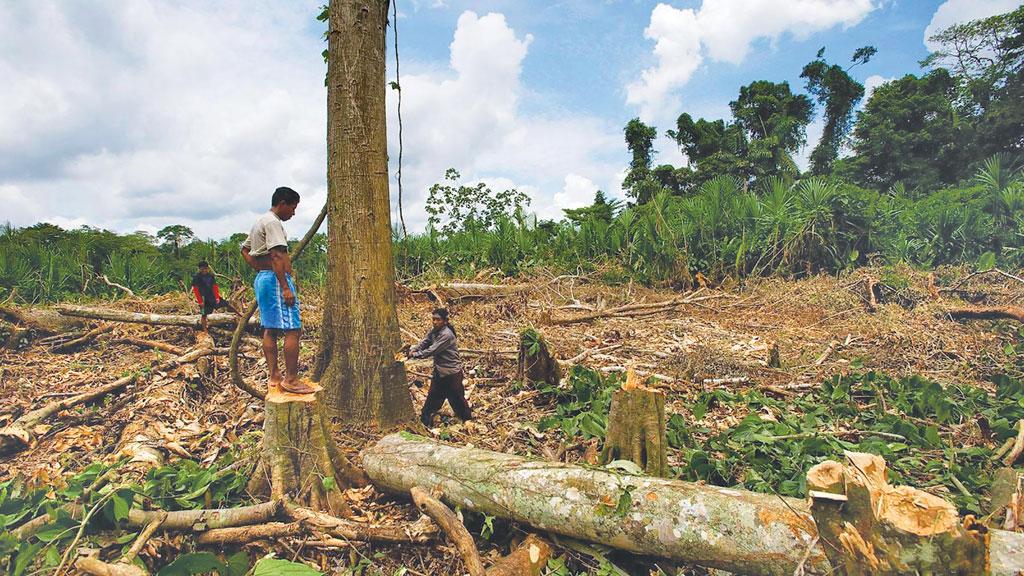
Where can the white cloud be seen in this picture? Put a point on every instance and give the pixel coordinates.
(135, 116)
(577, 192)
(144, 114)
(872, 82)
(469, 117)
(724, 31)
(959, 11)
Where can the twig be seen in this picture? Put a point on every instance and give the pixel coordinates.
(144, 536)
(81, 530)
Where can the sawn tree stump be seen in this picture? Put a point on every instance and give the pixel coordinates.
(535, 361)
(301, 461)
(871, 528)
(636, 427)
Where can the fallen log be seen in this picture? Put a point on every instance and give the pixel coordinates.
(152, 344)
(619, 311)
(41, 320)
(18, 435)
(84, 339)
(734, 530)
(467, 290)
(987, 313)
(183, 320)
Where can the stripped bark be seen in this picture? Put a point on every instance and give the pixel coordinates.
(96, 567)
(18, 435)
(239, 535)
(734, 530)
(453, 528)
(420, 532)
(869, 527)
(184, 320)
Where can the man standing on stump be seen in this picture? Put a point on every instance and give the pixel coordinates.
(266, 250)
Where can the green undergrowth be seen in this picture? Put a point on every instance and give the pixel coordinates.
(182, 485)
(930, 434)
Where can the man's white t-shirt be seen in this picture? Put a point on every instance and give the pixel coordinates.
(266, 233)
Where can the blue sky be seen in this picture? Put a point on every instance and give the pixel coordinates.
(131, 115)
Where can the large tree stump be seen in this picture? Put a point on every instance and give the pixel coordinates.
(301, 461)
(535, 361)
(636, 427)
(871, 528)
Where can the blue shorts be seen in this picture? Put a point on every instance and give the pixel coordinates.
(274, 313)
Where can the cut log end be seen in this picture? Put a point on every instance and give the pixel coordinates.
(881, 529)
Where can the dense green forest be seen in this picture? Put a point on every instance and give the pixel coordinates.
(927, 173)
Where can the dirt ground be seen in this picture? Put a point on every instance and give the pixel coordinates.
(720, 338)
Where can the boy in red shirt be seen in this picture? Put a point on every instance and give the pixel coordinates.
(207, 294)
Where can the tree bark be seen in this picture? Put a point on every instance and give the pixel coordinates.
(734, 530)
(636, 428)
(300, 461)
(869, 527)
(359, 333)
(536, 364)
(184, 320)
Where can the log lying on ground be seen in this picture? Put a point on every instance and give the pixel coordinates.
(870, 527)
(636, 427)
(987, 313)
(453, 528)
(84, 339)
(462, 290)
(18, 435)
(184, 320)
(42, 320)
(735, 530)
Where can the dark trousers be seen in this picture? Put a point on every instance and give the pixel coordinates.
(448, 388)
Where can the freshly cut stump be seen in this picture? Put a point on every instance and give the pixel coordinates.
(636, 427)
(536, 364)
(300, 461)
(870, 527)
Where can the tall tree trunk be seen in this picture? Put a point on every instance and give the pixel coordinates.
(356, 358)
